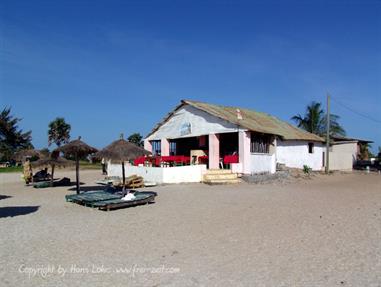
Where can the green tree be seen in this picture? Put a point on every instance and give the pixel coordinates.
(315, 121)
(59, 132)
(365, 152)
(12, 138)
(136, 138)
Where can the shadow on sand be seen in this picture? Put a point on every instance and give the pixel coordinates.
(72, 183)
(11, 211)
(89, 188)
(58, 184)
(4, 196)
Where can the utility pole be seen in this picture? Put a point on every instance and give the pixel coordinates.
(327, 136)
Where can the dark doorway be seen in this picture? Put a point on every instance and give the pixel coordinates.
(183, 146)
(228, 144)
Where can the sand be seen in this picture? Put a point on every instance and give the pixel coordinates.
(324, 231)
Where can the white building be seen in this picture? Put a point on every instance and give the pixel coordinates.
(203, 136)
(258, 140)
(344, 152)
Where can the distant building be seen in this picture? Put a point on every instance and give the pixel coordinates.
(345, 151)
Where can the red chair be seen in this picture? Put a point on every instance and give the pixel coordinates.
(139, 160)
(229, 159)
(203, 159)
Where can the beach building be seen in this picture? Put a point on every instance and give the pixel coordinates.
(244, 140)
(344, 152)
(198, 138)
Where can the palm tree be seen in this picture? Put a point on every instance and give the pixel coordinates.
(59, 132)
(12, 138)
(314, 121)
(364, 152)
(136, 138)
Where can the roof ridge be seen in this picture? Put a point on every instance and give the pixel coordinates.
(253, 120)
(231, 107)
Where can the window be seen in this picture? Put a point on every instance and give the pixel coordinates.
(323, 161)
(260, 143)
(310, 147)
(172, 147)
(156, 147)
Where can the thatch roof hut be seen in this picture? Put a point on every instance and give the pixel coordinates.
(22, 155)
(78, 149)
(121, 151)
(53, 162)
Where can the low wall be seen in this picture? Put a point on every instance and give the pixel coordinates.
(178, 174)
(236, 167)
(261, 163)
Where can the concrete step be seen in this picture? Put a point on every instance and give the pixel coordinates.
(218, 171)
(222, 181)
(220, 176)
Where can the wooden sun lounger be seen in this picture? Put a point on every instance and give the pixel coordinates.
(109, 180)
(141, 198)
(89, 197)
(106, 201)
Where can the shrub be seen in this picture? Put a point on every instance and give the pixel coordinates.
(307, 169)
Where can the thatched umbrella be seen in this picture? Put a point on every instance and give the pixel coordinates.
(121, 151)
(25, 153)
(77, 149)
(53, 160)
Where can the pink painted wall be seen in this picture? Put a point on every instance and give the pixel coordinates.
(147, 145)
(244, 139)
(214, 151)
(164, 147)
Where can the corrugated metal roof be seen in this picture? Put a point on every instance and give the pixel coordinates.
(251, 120)
(346, 139)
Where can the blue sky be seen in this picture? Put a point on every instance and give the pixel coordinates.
(119, 66)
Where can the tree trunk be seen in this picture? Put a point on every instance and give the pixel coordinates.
(77, 172)
(52, 176)
(124, 176)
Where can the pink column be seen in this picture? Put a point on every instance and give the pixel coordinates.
(147, 145)
(244, 139)
(164, 147)
(214, 151)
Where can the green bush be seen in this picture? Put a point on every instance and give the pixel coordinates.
(307, 169)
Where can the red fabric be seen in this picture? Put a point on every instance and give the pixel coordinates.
(140, 160)
(176, 159)
(157, 160)
(203, 159)
(228, 159)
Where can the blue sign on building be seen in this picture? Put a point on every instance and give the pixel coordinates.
(185, 129)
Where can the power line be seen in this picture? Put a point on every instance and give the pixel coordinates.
(356, 112)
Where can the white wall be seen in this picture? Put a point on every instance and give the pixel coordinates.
(295, 154)
(201, 122)
(178, 174)
(342, 156)
(340, 161)
(347, 148)
(236, 167)
(148, 173)
(260, 163)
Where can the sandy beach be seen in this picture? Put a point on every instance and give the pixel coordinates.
(323, 231)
